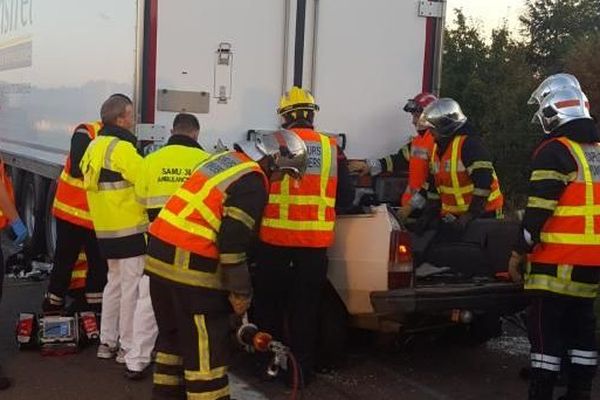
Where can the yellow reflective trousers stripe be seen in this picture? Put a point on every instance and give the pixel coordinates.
(205, 373)
(168, 359)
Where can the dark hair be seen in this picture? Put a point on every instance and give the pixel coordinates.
(185, 123)
(113, 108)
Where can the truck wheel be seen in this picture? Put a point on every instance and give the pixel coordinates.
(50, 222)
(32, 208)
(333, 330)
(485, 327)
(16, 176)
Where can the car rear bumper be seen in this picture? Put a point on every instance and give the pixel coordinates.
(499, 297)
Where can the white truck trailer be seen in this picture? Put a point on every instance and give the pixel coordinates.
(228, 62)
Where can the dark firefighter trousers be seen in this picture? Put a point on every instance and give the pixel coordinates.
(288, 283)
(562, 327)
(70, 240)
(193, 345)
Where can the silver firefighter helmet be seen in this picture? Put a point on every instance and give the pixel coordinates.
(444, 117)
(562, 106)
(551, 84)
(286, 150)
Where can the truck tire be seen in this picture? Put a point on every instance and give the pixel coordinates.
(333, 330)
(16, 176)
(50, 222)
(32, 209)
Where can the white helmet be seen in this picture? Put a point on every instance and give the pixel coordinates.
(551, 84)
(562, 106)
(286, 150)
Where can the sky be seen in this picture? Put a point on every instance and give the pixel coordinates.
(489, 13)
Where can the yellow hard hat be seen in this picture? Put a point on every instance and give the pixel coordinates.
(296, 99)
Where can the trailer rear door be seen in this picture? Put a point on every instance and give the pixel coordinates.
(190, 33)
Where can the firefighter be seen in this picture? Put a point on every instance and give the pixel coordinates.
(197, 261)
(74, 228)
(110, 167)
(162, 173)
(296, 230)
(561, 242)
(414, 158)
(8, 218)
(463, 184)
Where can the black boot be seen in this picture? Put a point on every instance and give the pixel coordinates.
(541, 384)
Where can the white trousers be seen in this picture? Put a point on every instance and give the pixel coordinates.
(119, 301)
(145, 330)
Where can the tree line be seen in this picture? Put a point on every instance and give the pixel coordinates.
(492, 80)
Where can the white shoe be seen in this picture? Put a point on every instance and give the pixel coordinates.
(120, 358)
(106, 352)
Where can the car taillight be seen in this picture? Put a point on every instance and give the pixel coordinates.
(400, 272)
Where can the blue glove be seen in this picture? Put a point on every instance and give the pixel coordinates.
(19, 230)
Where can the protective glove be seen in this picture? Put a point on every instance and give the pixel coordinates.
(359, 167)
(240, 303)
(404, 212)
(19, 231)
(514, 267)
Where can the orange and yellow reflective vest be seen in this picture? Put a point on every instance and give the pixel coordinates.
(572, 234)
(421, 149)
(191, 219)
(70, 201)
(454, 184)
(301, 213)
(10, 191)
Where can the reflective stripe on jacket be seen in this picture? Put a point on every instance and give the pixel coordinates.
(302, 213)
(188, 226)
(164, 171)
(454, 184)
(572, 234)
(70, 201)
(421, 149)
(110, 165)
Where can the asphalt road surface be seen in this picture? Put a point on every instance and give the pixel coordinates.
(427, 368)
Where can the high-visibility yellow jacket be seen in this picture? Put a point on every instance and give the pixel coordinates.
(110, 167)
(165, 170)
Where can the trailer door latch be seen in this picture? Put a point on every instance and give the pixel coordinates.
(223, 73)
